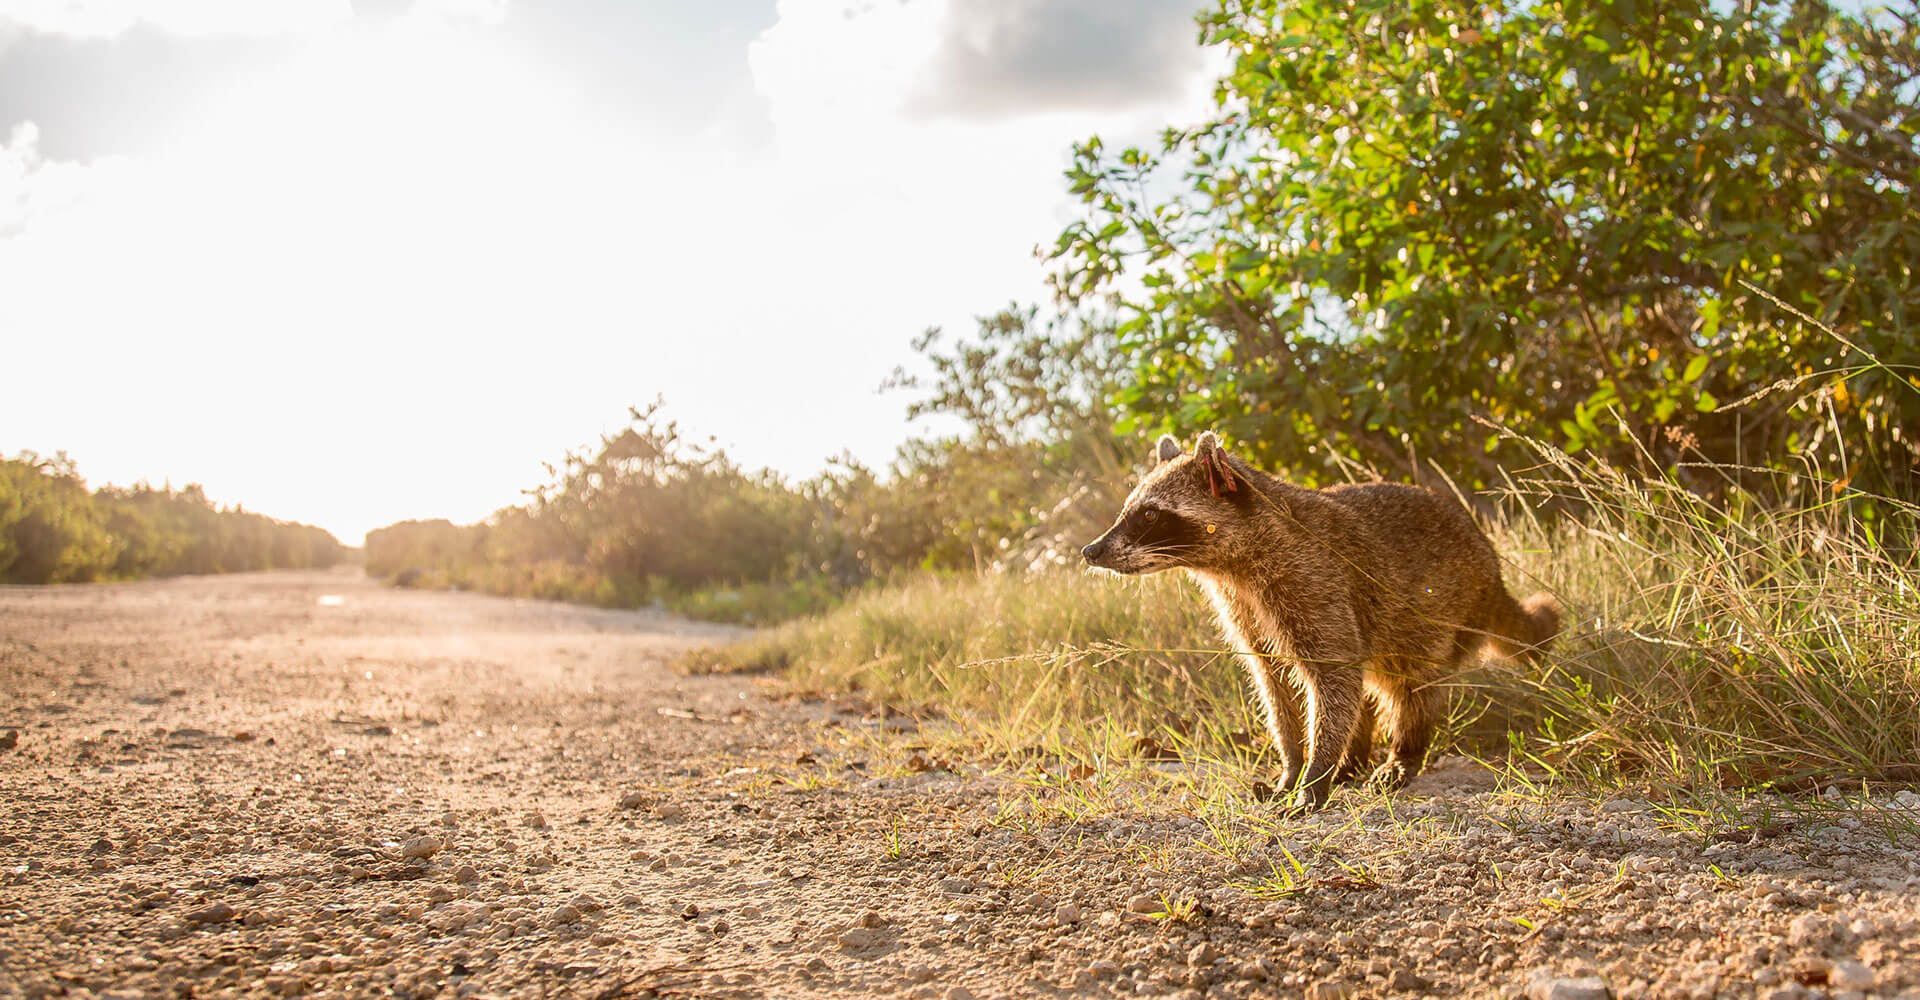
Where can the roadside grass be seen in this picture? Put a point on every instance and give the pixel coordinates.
(1713, 653)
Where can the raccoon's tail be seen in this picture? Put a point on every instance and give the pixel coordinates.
(1523, 629)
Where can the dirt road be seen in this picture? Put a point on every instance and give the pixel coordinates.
(305, 784)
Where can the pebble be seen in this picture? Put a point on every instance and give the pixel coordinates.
(565, 913)
(1544, 985)
(1066, 913)
(959, 993)
(218, 913)
(465, 874)
(633, 800)
(1202, 954)
(1103, 969)
(534, 819)
(956, 886)
(1143, 903)
(421, 847)
(1406, 981)
(1812, 929)
(1850, 976)
(1330, 989)
(854, 938)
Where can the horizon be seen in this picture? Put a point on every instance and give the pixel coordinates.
(351, 264)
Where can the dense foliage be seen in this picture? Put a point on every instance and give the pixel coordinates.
(52, 530)
(1574, 218)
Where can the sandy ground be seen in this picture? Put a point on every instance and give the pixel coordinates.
(304, 784)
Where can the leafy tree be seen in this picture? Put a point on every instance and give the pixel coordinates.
(1569, 217)
(53, 531)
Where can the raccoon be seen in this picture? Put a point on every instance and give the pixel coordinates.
(1343, 604)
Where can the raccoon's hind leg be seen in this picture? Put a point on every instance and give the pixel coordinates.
(1355, 764)
(1411, 709)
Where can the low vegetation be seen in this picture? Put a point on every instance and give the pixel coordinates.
(53, 530)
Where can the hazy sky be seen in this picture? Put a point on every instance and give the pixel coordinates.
(353, 262)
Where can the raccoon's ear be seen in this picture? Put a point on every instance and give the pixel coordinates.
(1168, 451)
(1212, 459)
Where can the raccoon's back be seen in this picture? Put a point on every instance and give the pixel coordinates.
(1425, 541)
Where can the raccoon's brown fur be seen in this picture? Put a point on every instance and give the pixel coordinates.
(1342, 603)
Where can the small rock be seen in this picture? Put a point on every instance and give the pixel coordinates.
(872, 919)
(1543, 984)
(1103, 969)
(1066, 913)
(855, 938)
(1143, 903)
(102, 846)
(633, 800)
(421, 847)
(1251, 971)
(465, 874)
(535, 819)
(565, 913)
(1850, 976)
(669, 810)
(1330, 989)
(1406, 981)
(956, 886)
(1202, 954)
(218, 913)
(439, 894)
(9, 739)
(959, 993)
(1812, 929)
(1036, 901)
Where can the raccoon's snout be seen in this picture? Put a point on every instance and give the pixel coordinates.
(1094, 550)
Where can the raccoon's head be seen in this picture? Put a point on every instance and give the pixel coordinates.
(1181, 514)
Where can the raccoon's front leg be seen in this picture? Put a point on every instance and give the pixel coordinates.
(1333, 697)
(1282, 715)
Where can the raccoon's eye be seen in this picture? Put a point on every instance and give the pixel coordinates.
(1149, 515)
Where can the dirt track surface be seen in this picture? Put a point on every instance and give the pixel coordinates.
(304, 784)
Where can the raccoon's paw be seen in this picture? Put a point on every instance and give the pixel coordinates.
(1391, 776)
(1282, 785)
(1306, 801)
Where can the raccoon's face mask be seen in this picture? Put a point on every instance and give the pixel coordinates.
(1173, 515)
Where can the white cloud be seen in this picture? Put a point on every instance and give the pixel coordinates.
(34, 188)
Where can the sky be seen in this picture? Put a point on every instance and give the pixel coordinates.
(350, 262)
